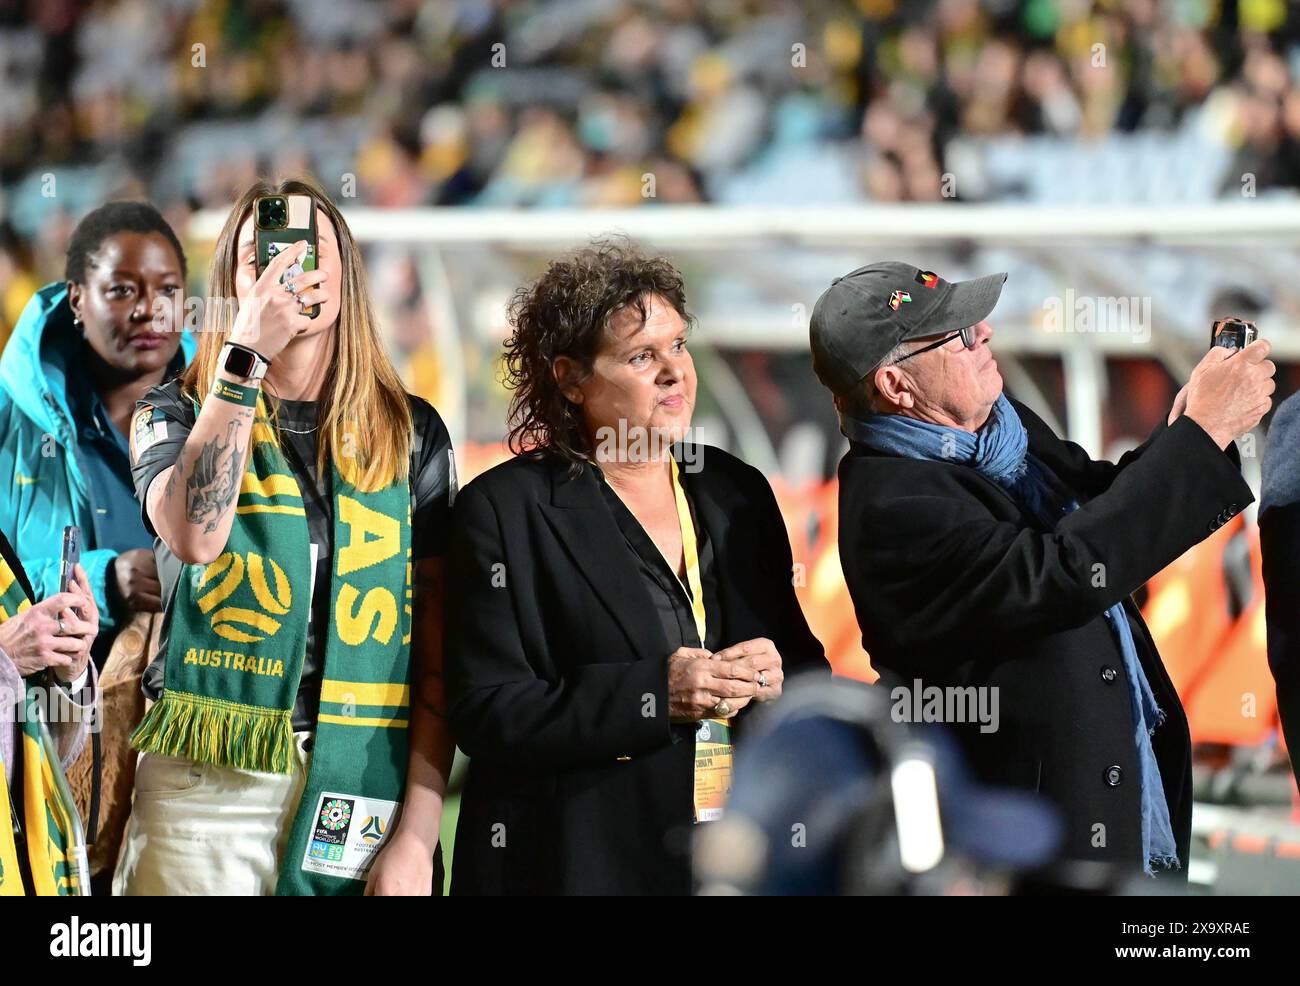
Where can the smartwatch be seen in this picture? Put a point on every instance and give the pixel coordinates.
(240, 361)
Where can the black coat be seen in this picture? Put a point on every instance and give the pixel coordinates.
(955, 584)
(1279, 541)
(557, 675)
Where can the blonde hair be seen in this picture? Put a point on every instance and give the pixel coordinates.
(361, 384)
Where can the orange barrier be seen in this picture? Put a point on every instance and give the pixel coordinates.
(1218, 664)
(473, 458)
(1234, 699)
(1192, 586)
(812, 518)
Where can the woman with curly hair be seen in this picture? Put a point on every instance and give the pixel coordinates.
(623, 598)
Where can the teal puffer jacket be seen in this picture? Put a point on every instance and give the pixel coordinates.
(47, 488)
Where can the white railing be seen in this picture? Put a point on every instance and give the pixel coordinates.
(1262, 234)
(1256, 222)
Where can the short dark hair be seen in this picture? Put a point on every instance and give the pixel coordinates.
(566, 312)
(109, 220)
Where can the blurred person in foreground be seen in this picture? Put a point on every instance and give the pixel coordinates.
(84, 351)
(983, 552)
(1279, 542)
(45, 675)
(623, 598)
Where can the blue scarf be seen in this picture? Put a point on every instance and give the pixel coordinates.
(1000, 451)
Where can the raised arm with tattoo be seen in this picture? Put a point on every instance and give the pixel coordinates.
(192, 504)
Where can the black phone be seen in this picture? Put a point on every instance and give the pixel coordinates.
(279, 222)
(71, 556)
(1233, 333)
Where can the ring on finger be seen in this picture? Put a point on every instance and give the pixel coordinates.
(291, 287)
(62, 629)
(722, 709)
(762, 680)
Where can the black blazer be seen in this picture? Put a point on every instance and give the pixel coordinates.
(557, 677)
(955, 584)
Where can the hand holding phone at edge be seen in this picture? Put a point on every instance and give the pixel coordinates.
(54, 633)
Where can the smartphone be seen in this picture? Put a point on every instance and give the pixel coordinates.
(280, 221)
(1233, 333)
(71, 555)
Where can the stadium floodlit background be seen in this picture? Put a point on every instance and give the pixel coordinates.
(1133, 165)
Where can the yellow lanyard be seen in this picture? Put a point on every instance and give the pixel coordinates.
(691, 553)
(712, 769)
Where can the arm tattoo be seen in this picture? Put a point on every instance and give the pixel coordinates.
(170, 488)
(214, 483)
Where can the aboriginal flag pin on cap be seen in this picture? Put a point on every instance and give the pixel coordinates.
(869, 311)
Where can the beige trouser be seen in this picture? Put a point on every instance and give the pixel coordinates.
(201, 830)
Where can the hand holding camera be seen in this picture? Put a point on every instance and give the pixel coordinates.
(1228, 396)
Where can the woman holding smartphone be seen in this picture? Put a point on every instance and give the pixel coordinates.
(45, 676)
(300, 498)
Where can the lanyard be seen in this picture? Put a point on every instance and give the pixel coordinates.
(690, 551)
(693, 587)
(712, 768)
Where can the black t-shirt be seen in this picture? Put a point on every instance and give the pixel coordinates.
(433, 488)
(671, 597)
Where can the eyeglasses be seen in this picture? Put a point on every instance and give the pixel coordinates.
(968, 339)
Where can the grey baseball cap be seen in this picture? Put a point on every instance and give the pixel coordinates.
(869, 311)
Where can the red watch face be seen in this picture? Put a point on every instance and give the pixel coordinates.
(240, 362)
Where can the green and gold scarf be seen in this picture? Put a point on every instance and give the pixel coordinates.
(49, 814)
(234, 656)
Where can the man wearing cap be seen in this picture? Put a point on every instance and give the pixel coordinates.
(981, 550)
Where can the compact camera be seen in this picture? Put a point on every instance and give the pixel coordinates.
(1233, 333)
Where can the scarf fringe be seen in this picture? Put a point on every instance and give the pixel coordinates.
(1160, 717)
(1162, 861)
(216, 731)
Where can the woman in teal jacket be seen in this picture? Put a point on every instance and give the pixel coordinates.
(84, 350)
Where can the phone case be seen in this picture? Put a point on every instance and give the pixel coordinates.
(302, 226)
(71, 556)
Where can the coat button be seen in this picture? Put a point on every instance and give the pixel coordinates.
(1108, 674)
(1114, 776)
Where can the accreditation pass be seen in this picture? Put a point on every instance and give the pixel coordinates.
(713, 753)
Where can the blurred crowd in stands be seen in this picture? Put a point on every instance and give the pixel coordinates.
(578, 102)
(524, 102)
